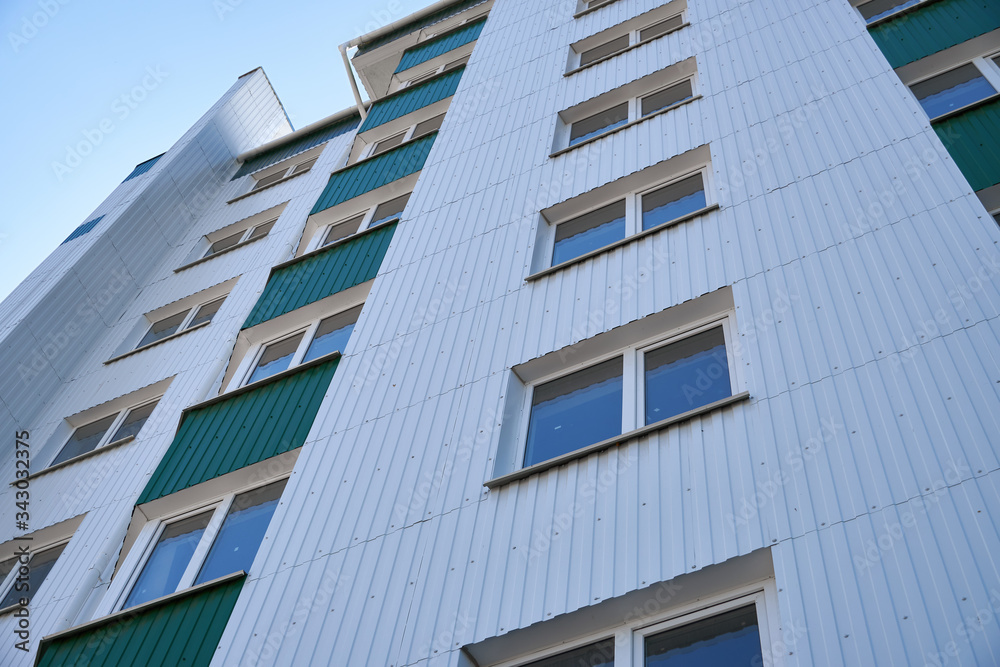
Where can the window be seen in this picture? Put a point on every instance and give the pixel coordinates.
(620, 38)
(22, 580)
(415, 131)
(244, 236)
(299, 164)
(110, 430)
(455, 64)
(635, 213)
(728, 638)
(880, 9)
(206, 545)
(186, 319)
(653, 94)
(319, 339)
(375, 215)
(952, 90)
(587, 406)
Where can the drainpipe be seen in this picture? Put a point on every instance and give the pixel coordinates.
(354, 83)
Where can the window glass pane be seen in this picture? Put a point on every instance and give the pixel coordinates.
(877, 9)
(589, 232)
(304, 166)
(39, 567)
(456, 64)
(171, 555)
(206, 312)
(242, 532)
(163, 328)
(386, 144)
(134, 421)
(666, 97)
(672, 201)
(389, 210)
(225, 243)
(332, 334)
(660, 28)
(731, 638)
(343, 229)
(428, 126)
(276, 358)
(267, 180)
(602, 50)
(85, 439)
(599, 654)
(575, 411)
(598, 123)
(687, 374)
(952, 90)
(261, 230)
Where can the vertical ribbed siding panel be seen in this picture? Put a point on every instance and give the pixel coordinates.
(935, 27)
(973, 139)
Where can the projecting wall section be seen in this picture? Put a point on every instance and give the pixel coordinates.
(862, 271)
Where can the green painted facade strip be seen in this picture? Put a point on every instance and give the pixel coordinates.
(300, 145)
(250, 427)
(185, 631)
(410, 99)
(374, 172)
(973, 139)
(432, 48)
(934, 27)
(321, 274)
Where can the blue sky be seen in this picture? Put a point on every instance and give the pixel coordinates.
(131, 77)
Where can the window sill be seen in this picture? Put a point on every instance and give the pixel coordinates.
(612, 442)
(621, 242)
(269, 185)
(6, 610)
(629, 124)
(896, 15)
(625, 50)
(968, 107)
(593, 8)
(155, 343)
(202, 260)
(76, 459)
(261, 382)
(132, 611)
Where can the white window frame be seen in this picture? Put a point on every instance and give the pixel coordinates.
(105, 440)
(287, 169)
(368, 151)
(185, 324)
(634, 40)
(244, 374)
(244, 238)
(633, 376)
(631, 93)
(986, 66)
(7, 582)
(895, 11)
(431, 73)
(630, 639)
(365, 225)
(633, 213)
(220, 508)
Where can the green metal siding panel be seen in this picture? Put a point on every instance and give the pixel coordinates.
(182, 632)
(411, 99)
(973, 139)
(432, 48)
(318, 276)
(301, 145)
(374, 172)
(417, 25)
(143, 167)
(250, 427)
(83, 229)
(935, 27)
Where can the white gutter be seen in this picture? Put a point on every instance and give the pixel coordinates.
(350, 77)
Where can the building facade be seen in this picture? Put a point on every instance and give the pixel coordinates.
(616, 332)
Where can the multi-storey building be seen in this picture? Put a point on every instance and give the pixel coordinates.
(616, 332)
